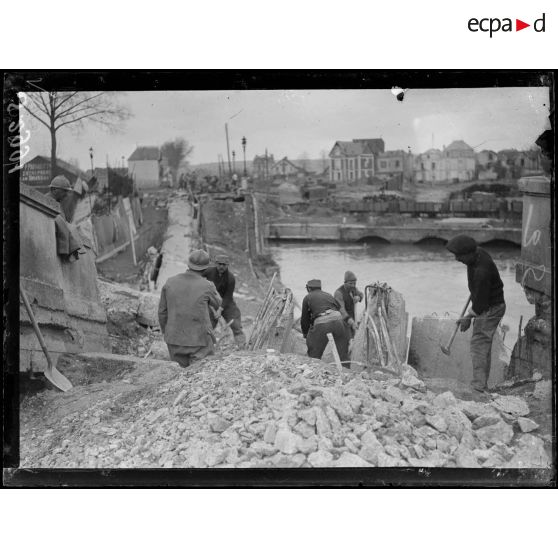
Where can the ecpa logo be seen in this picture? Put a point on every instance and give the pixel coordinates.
(494, 24)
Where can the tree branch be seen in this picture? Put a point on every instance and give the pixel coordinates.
(43, 110)
(35, 116)
(87, 99)
(65, 100)
(79, 118)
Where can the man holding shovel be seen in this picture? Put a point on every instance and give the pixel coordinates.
(488, 306)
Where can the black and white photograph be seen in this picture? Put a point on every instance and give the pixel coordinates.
(310, 273)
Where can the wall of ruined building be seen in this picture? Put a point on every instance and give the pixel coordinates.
(533, 350)
(63, 294)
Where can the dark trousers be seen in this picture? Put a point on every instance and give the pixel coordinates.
(484, 328)
(188, 355)
(317, 340)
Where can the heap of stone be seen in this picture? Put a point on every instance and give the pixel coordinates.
(271, 410)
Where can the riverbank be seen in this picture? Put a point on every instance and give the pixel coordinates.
(250, 409)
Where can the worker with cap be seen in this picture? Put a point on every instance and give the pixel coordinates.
(225, 282)
(184, 309)
(61, 190)
(320, 316)
(488, 305)
(348, 295)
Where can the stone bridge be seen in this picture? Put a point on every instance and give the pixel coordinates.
(403, 234)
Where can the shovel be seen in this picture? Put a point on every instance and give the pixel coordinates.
(51, 373)
(446, 349)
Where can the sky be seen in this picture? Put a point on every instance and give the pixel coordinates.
(306, 123)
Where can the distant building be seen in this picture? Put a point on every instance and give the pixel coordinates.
(520, 163)
(429, 167)
(287, 169)
(144, 166)
(395, 167)
(487, 158)
(456, 163)
(262, 165)
(36, 172)
(351, 161)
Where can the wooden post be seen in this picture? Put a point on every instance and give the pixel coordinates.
(334, 351)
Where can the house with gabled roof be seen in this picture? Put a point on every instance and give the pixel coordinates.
(287, 169)
(351, 161)
(145, 167)
(460, 162)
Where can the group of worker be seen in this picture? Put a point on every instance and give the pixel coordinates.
(192, 303)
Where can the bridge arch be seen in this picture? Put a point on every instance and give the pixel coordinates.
(432, 239)
(373, 239)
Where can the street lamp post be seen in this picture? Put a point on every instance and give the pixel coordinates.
(91, 157)
(234, 166)
(244, 150)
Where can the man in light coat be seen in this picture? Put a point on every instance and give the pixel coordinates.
(184, 311)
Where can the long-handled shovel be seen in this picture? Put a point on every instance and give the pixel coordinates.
(446, 349)
(51, 373)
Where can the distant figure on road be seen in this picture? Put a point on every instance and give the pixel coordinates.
(320, 316)
(488, 305)
(224, 281)
(184, 311)
(348, 295)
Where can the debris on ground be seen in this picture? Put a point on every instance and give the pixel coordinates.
(270, 410)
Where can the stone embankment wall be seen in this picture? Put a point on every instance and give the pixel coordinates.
(63, 294)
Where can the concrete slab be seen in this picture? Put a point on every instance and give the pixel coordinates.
(430, 332)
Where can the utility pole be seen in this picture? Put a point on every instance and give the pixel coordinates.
(228, 152)
(266, 166)
(234, 165)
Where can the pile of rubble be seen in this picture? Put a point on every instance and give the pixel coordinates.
(272, 410)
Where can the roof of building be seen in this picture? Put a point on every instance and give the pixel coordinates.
(376, 145)
(145, 153)
(394, 153)
(59, 163)
(351, 148)
(458, 145)
(287, 161)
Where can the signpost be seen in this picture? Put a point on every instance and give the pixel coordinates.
(131, 225)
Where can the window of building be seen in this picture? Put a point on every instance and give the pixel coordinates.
(522, 162)
(383, 164)
(433, 166)
(397, 163)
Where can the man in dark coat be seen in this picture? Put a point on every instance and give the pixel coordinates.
(184, 310)
(224, 281)
(320, 316)
(487, 308)
(348, 295)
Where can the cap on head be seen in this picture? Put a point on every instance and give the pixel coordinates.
(198, 260)
(222, 259)
(349, 276)
(61, 182)
(461, 245)
(314, 284)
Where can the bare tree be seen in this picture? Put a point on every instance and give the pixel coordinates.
(175, 152)
(56, 109)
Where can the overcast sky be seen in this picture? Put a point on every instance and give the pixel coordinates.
(292, 123)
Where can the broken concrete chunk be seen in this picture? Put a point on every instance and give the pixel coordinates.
(526, 424)
(493, 433)
(320, 458)
(286, 441)
(511, 404)
(437, 421)
(443, 400)
(485, 420)
(464, 457)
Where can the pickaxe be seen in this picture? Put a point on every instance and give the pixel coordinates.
(446, 349)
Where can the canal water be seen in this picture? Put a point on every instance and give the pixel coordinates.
(426, 274)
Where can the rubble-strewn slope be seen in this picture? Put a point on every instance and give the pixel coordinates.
(255, 410)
